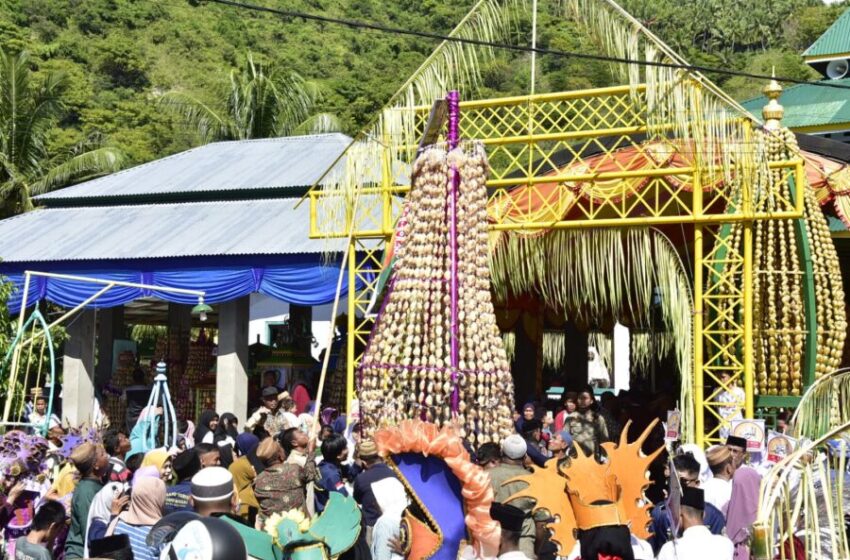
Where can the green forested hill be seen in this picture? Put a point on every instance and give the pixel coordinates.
(122, 54)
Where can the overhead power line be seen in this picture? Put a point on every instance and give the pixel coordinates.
(356, 24)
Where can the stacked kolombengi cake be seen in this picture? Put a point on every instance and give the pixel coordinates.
(406, 372)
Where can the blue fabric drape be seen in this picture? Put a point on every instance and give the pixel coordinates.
(301, 280)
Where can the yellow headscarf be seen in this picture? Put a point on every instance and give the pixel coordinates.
(156, 458)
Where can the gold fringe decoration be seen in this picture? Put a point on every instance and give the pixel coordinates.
(681, 104)
(406, 370)
(554, 349)
(509, 340)
(779, 328)
(599, 276)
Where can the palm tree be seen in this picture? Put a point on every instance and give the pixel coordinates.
(260, 103)
(30, 107)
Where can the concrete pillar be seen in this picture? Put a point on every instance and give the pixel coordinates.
(110, 326)
(78, 369)
(231, 384)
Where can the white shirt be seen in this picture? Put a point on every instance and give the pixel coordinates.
(39, 419)
(697, 543)
(717, 493)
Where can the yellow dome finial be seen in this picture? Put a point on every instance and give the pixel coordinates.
(773, 111)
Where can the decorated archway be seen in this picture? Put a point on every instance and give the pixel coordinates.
(667, 150)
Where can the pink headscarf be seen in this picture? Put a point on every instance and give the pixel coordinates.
(146, 502)
(742, 510)
(144, 472)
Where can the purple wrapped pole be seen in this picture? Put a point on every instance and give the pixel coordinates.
(452, 136)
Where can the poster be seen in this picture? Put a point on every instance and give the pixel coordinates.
(674, 425)
(779, 446)
(752, 431)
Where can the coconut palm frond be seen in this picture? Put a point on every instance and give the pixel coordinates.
(209, 124)
(599, 276)
(259, 102)
(320, 123)
(84, 165)
(391, 134)
(554, 349)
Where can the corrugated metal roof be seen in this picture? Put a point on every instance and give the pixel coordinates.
(242, 165)
(252, 227)
(835, 40)
(810, 105)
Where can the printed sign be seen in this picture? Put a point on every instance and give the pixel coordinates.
(779, 446)
(751, 430)
(674, 425)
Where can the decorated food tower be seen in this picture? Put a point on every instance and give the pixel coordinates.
(436, 353)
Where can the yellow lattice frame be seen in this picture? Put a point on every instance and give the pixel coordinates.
(523, 136)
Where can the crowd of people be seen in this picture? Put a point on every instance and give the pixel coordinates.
(100, 494)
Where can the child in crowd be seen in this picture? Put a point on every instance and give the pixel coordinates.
(48, 522)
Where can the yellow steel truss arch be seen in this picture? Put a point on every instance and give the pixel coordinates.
(532, 188)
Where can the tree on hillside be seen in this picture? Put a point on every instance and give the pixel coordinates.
(259, 103)
(31, 107)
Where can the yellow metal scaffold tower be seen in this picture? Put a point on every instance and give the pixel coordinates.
(531, 190)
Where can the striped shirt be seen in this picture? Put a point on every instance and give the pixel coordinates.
(137, 535)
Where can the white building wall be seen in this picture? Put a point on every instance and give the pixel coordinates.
(266, 310)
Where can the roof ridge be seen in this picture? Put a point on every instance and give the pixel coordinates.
(121, 171)
(828, 34)
(163, 204)
(148, 176)
(795, 86)
(280, 138)
(783, 91)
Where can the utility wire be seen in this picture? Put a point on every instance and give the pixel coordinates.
(355, 24)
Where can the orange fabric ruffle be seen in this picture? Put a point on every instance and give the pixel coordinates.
(415, 436)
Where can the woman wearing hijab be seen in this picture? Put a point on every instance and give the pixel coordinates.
(207, 424)
(186, 437)
(102, 511)
(159, 458)
(145, 510)
(529, 413)
(224, 438)
(244, 470)
(226, 431)
(742, 509)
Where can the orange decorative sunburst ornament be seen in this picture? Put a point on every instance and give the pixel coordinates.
(548, 488)
(569, 493)
(631, 467)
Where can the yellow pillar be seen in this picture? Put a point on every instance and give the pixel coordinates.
(699, 383)
(749, 408)
(698, 318)
(351, 335)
